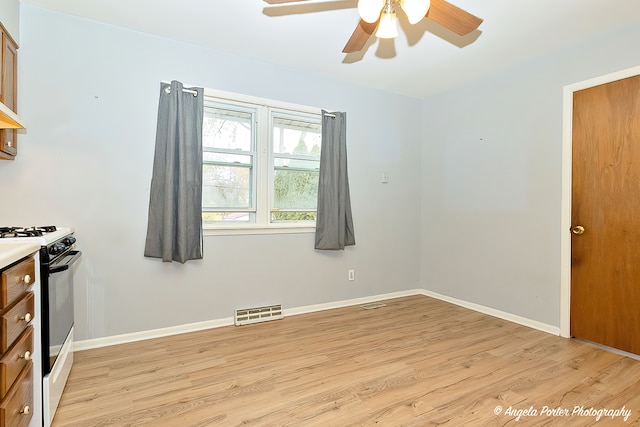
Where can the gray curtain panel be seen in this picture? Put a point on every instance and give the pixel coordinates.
(334, 225)
(174, 230)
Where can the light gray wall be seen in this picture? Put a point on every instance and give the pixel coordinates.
(89, 95)
(491, 179)
(10, 18)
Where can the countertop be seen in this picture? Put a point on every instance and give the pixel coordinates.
(11, 252)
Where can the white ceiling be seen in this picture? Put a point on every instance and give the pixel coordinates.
(423, 60)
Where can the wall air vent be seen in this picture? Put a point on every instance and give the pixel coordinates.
(247, 316)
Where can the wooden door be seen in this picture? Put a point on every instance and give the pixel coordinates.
(8, 92)
(605, 270)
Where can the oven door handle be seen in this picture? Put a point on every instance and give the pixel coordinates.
(65, 266)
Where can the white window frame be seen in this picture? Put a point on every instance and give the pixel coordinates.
(263, 167)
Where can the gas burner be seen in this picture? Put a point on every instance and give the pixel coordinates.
(46, 228)
(8, 232)
(40, 230)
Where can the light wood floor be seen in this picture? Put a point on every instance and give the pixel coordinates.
(416, 362)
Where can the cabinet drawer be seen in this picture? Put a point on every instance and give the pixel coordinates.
(16, 281)
(14, 361)
(16, 409)
(8, 143)
(15, 320)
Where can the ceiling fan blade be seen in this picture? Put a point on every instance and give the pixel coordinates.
(360, 35)
(452, 17)
(297, 8)
(282, 1)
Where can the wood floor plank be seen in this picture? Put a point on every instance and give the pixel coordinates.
(415, 362)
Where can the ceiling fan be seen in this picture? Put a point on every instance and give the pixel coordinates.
(381, 14)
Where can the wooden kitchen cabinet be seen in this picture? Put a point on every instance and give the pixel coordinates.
(9, 92)
(16, 343)
(16, 408)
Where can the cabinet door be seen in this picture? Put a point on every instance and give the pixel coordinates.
(9, 71)
(9, 93)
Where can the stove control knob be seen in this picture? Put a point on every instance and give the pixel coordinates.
(69, 240)
(57, 248)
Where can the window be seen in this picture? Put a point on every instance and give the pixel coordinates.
(228, 177)
(261, 163)
(296, 168)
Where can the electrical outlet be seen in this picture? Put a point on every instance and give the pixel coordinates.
(352, 275)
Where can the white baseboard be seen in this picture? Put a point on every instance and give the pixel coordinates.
(154, 333)
(550, 329)
(349, 302)
(228, 321)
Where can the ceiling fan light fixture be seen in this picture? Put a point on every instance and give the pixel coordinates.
(388, 27)
(415, 9)
(369, 10)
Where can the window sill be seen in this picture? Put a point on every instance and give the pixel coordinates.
(229, 230)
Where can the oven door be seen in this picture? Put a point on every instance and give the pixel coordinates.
(59, 304)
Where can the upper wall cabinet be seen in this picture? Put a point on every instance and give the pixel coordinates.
(9, 120)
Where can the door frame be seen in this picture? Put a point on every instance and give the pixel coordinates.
(567, 162)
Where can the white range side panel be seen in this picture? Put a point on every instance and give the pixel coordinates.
(54, 382)
(36, 419)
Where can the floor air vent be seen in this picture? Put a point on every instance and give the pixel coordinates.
(373, 305)
(257, 314)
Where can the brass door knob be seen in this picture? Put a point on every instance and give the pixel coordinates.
(578, 229)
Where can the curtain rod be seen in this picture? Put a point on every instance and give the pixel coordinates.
(194, 92)
(330, 115)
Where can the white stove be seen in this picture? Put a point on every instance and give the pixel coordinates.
(58, 259)
(42, 235)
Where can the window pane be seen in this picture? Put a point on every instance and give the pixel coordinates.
(293, 216)
(295, 189)
(226, 186)
(296, 137)
(227, 129)
(295, 181)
